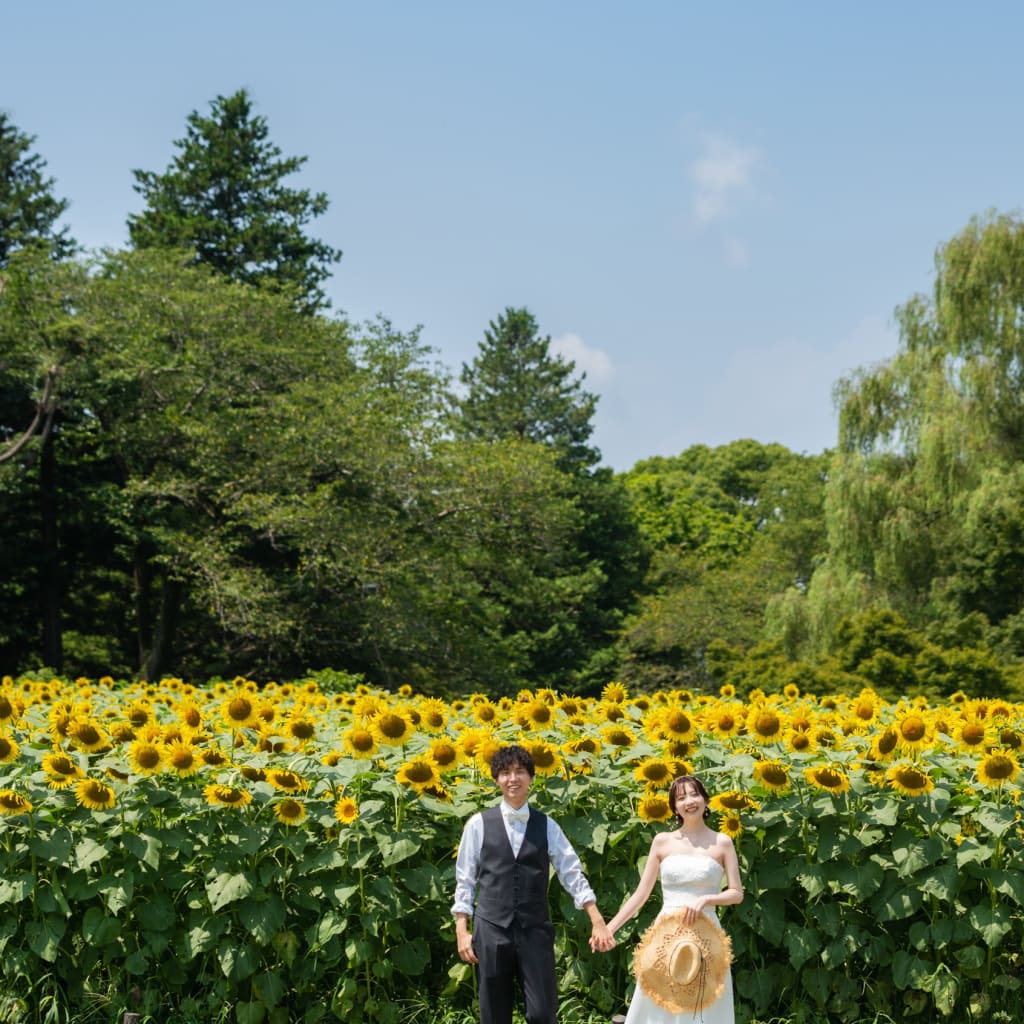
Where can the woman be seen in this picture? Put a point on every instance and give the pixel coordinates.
(692, 861)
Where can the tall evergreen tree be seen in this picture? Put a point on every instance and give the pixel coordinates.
(29, 210)
(224, 197)
(516, 388)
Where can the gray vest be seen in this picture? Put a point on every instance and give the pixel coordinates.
(513, 888)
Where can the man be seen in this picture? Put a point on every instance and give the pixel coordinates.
(504, 859)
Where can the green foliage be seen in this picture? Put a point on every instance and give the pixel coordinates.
(864, 903)
(29, 210)
(516, 389)
(923, 487)
(223, 198)
(729, 529)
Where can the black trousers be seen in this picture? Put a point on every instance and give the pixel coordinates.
(510, 954)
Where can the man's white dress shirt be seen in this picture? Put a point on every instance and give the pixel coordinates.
(560, 852)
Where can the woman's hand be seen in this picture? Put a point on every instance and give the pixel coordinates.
(694, 910)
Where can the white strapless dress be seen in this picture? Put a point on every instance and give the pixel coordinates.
(684, 876)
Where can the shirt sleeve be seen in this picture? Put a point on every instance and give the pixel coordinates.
(567, 866)
(467, 866)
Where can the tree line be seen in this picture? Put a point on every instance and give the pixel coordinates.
(204, 471)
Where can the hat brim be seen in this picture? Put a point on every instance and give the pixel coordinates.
(653, 954)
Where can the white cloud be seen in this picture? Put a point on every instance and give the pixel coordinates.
(721, 173)
(596, 364)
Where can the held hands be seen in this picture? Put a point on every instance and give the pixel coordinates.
(601, 939)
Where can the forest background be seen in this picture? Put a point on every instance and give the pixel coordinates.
(207, 473)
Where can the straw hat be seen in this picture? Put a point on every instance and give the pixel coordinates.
(680, 966)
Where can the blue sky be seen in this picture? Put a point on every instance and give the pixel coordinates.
(714, 209)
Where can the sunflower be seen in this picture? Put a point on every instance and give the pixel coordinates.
(654, 807)
(139, 713)
(885, 745)
(240, 711)
(1000, 709)
(190, 714)
(146, 758)
(405, 690)
(12, 803)
(346, 810)
(418, 774)
(444, 753)
(733, 800)
(300, 728)
(617, 736)
(973, 735)
(535, 715)
(773, 775)
(469, 741)
(571, 706)
(615, 693)
(11, 709)
(286, 781)
(289, 811)
(909, 779)
(583, 745)
(360, 743)
(673, 723)
(913, 731)
(182, 759)
(654, 772)
(727, 691)
(1010, 739)
(485, 749)
(213, 757)
(724, 720)
(485, 712)
(88, 736)
(252, 773)
(730, 824)
(765, 724)
(546, 758)
(393, 728)
(433, 715)
(997, 768)
(9, 750)
(828, 778)
(61, 771)
(226, 796)
(368, 705)
(791, 691)
(95, 795)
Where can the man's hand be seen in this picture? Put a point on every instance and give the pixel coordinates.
(464, 940)
(601, 939)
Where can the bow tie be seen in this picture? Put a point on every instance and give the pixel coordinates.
(523, 815)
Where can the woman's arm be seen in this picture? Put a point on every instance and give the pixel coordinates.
(641, 892)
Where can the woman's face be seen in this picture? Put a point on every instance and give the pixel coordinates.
(689, 802)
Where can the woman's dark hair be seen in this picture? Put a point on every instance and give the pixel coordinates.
(679, 786)
(507, 757)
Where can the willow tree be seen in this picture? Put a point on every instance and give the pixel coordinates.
(931, 447)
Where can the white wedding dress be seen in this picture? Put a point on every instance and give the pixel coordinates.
(684, 876)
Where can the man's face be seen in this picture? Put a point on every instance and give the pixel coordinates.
(514, 783)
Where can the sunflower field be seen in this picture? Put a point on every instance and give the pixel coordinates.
(285, 852)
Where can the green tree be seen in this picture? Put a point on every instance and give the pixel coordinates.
(516, 388)
(223, 197)
(29, 210)
(730, 528)
(921, 495)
